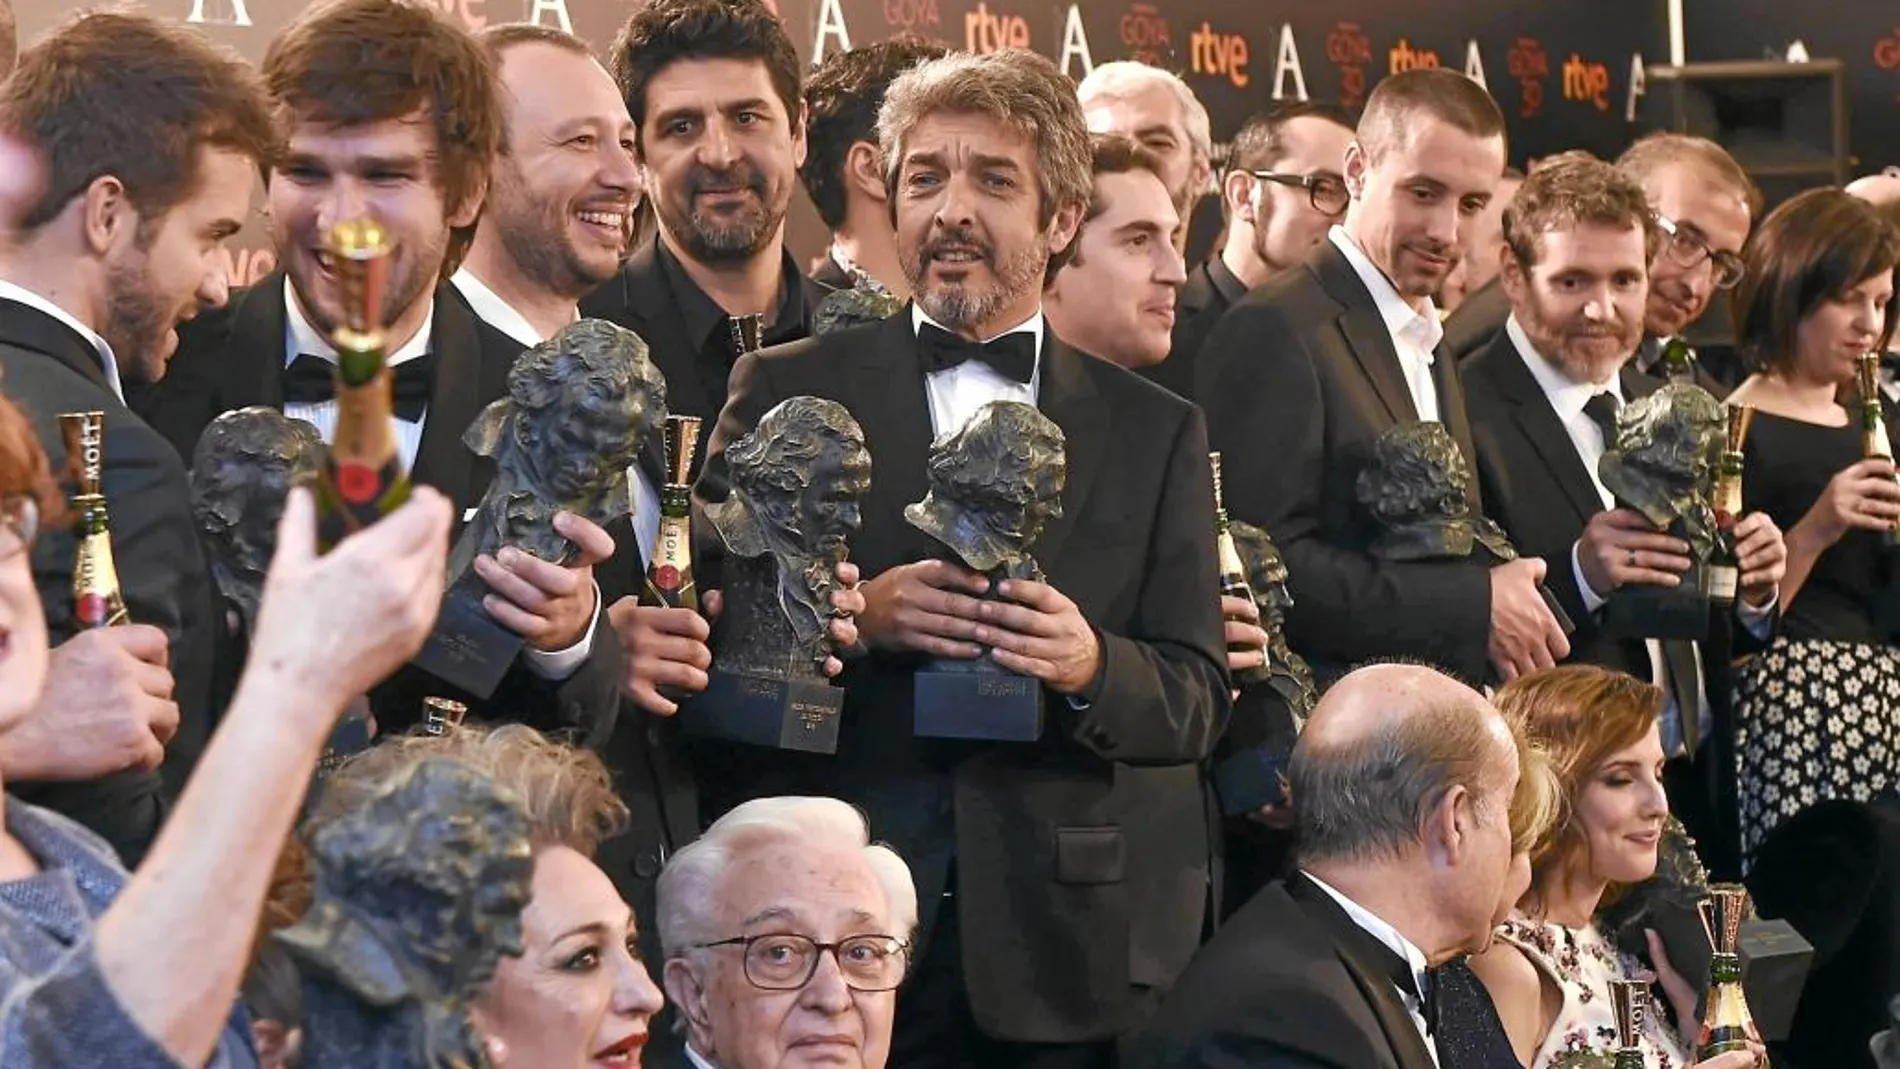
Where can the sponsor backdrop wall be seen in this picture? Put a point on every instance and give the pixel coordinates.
(1568, 73)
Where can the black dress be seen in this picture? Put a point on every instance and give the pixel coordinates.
(1818, 715)
(1468, 1033)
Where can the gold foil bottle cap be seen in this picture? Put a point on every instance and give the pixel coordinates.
(359, 255)
(748, 333)
(1723, 912)
(1629, 1005)
(682, 443)
(1213, 462)
(1740, 418)
(85, 436)
(1867, 367)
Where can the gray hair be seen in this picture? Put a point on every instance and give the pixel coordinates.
(1016, 87)
(1126, 77)
(1368, 798)
(687, 884)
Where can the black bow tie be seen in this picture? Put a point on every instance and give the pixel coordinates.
(311, 380)
(1013, 355)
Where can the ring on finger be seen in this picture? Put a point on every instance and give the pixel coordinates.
(1630, 559)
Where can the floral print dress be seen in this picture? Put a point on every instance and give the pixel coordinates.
(1582, 963)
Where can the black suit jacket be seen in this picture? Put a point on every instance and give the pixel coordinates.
(1290, 982)
(47, 368)
(1537, 487)
(1478, 319)
(1298, 380)
(233, 357)
(1081, 860)
(831, 275)
(1201, 302)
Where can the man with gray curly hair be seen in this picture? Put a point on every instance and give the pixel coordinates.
(1063, 881)
(1156, 109)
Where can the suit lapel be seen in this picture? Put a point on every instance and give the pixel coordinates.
(255, 348)
(1359, 954)
(1538, 422)
(1451, 412)
(1068, 396)
(887, 395)
(1365, 332)
(691, 386)
(29, 328)
(464, 366)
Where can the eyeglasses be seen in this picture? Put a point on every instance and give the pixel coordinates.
(1327, 192)
(1690, 249)
(19, 522)
(784, 962)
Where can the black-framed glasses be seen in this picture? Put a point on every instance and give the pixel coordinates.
(1690, 249)
(19, 522)
(785, 962)
(1326, 192)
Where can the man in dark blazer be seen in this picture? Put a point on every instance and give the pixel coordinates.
(1063, 882)
(1543, 398)
(1281, 193)
(91, 287)
(1304, 374)
(1331, 970)
(567, 679)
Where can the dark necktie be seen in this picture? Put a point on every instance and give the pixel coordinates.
(1682, 672)
(311, 380)
(1013, 355)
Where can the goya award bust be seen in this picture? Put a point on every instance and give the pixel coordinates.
(795, 483)
(1274, 700)
(578, 407)
(993, 485)
(1661, 466)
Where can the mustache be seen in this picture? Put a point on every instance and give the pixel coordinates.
(959, 239)
(703, 179)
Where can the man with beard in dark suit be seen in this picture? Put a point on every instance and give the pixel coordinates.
(1302, 376)
(1333, 968)
(119, 245)
(349, 81)
(1064, 881)
(1543, 399)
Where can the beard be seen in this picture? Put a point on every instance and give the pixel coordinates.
(534, 234)
(958, 306)
(1558, 341)
(137, 320)
(711, 238)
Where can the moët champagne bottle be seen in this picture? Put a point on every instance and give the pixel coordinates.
(97, 599)
(363, 477)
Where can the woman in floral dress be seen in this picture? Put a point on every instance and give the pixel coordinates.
(1549, 971)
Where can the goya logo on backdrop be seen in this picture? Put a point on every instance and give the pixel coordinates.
(1349, 50)
(1146, 36)
(1587, 81)
(912, 14)
(219, 13)
(1221, 54)
(1530, 66)
(986, 32)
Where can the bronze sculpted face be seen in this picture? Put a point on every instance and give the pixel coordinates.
(1417, 474)
(1661, 461)
(801, 473)
(1266, 570)
(994, 485)
(244, 467)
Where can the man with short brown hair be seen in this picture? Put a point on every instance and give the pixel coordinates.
(149, 139)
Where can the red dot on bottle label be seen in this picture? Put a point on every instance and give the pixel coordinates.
(90, 609)
(357, 483)
(666, 577)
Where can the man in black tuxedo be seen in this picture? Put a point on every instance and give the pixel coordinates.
(1333, 968)
(1282, 192)
(1064, 881)
(1705, 203)
(116, 247)
(1300, 378)
(378, 62)
(1543, 399)
(843, 172)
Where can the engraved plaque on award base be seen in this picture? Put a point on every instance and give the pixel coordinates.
(977, 699)
(783, 713)
(1645, 611)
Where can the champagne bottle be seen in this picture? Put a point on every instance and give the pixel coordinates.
(440, 714)
(363, 478)
(1233, 574)
(1678, 361)
(1873, 423)
(670, 573)
(97, 600)
(1629, 1005)
(1725, 566)
(1727, 1024)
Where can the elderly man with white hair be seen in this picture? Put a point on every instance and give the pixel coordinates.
(1157, 109)
(786, 933)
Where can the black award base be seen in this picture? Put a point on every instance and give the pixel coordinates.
(468, 649)
(1644, 611)
(978, 700)
(795, 714)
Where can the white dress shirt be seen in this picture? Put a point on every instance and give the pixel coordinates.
(107, 359)
(1567, 399)
(501, 315)
(699, 1060)
(1415, 332)
(956, 394)
(301, 337)
(1377, 928)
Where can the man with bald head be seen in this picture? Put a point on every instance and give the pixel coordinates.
(1401, 784)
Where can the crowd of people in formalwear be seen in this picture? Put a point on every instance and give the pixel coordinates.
(1491, 765)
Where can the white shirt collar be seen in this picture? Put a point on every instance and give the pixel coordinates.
(1033, 324)
(301, 336)
(699, 1061)
(107, 360)
(1566, 395)
(1378, 929)
(497, 313)
(1420, 328)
